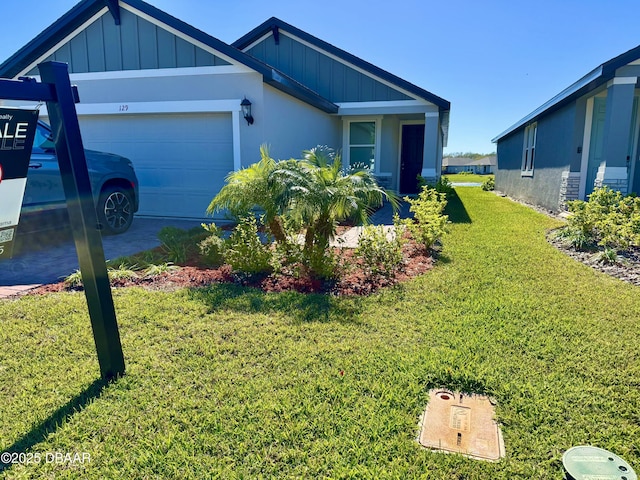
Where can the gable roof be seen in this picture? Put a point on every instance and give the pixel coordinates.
(467, 161)
(592, 80)
(275, 25)
(86, 9)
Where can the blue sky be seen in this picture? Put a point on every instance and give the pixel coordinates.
(494, 60)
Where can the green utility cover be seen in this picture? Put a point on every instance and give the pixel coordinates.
(591, 463)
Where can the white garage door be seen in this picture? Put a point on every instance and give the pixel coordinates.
(181, 160)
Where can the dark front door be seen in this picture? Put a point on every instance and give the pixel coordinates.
(411, 157)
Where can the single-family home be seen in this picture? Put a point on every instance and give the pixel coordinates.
(478, 165)
(584, 137)
(188, 108)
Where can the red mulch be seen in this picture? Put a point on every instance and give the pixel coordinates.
(354, 279)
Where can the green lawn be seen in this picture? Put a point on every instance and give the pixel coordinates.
(467, 177)
(233, 383)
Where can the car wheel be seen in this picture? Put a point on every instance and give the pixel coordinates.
(115, 210)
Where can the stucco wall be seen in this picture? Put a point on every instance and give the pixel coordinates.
(554, 152)
(290, 126)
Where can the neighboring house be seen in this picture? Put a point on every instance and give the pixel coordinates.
(168, 96)
(481, 166)
(583, 138)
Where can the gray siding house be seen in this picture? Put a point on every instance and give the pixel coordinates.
(583, 138)
(168, 96)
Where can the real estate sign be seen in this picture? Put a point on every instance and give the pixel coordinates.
(17, 131)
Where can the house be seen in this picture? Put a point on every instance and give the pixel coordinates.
(480, 166)
(169, 97)
(584, 137)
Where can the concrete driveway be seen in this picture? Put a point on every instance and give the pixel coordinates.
(53, 257)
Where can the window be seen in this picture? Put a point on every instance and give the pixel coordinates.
(529, 150)
(362, 145)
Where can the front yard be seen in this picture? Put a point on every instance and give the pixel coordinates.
(231, 382)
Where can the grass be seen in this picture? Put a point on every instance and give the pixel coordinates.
(227, 382)
(467, 177)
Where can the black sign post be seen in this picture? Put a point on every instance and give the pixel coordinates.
(61, 97)
(17, 130)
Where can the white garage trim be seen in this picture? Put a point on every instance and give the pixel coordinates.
(188, 106)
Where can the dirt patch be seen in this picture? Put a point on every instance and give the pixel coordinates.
(354, 277)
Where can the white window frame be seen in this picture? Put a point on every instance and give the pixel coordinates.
(529, 149)
(346, 140)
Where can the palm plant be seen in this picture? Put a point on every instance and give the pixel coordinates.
(320, 195)
(254, 187)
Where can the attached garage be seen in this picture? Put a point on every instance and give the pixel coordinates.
(181, 159)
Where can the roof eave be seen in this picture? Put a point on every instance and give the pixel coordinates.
(274, 22)
(46, 40)
(589, 82)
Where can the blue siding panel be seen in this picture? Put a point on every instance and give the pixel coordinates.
(95, 45)
(136, 44)
(311, 69)
(166, 49)
(271, 53)
(324, 76)
(79, 56)
(63, 54)
(338, 71)
(328, 77)
(186, 53)
(367, 87)
(148, 44)
(203, 59)
(112, 45)
(129, 35)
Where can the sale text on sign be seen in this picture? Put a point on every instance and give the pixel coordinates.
(17, 131)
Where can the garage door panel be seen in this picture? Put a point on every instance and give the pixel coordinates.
(181, 160)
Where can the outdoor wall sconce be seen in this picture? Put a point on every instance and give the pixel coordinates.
(246, 111)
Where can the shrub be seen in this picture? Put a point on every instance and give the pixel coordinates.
(380, 252)
(608, 218)
(244, 250)
(428, 224)
(489, 184)
(211, 248)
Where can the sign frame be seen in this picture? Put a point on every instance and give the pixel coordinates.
(60, 96)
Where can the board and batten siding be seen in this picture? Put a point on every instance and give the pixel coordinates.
(135, 44)
(328, 77)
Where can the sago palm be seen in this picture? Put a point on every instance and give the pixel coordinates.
(320, 195)
(254, 187)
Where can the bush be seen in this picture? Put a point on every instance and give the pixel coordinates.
(489, 184)
(428, 224)
(608, 218)
(212, 247)
(244, 250)
(380, 253)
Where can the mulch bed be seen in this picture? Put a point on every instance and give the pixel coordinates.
(354, 278)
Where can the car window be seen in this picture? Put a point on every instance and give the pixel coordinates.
(43, 139)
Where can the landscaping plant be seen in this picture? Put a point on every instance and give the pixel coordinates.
(608, 219)
(429, 223)
(311, 196)
(380, 249)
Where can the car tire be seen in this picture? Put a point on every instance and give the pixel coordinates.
(115, 210)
